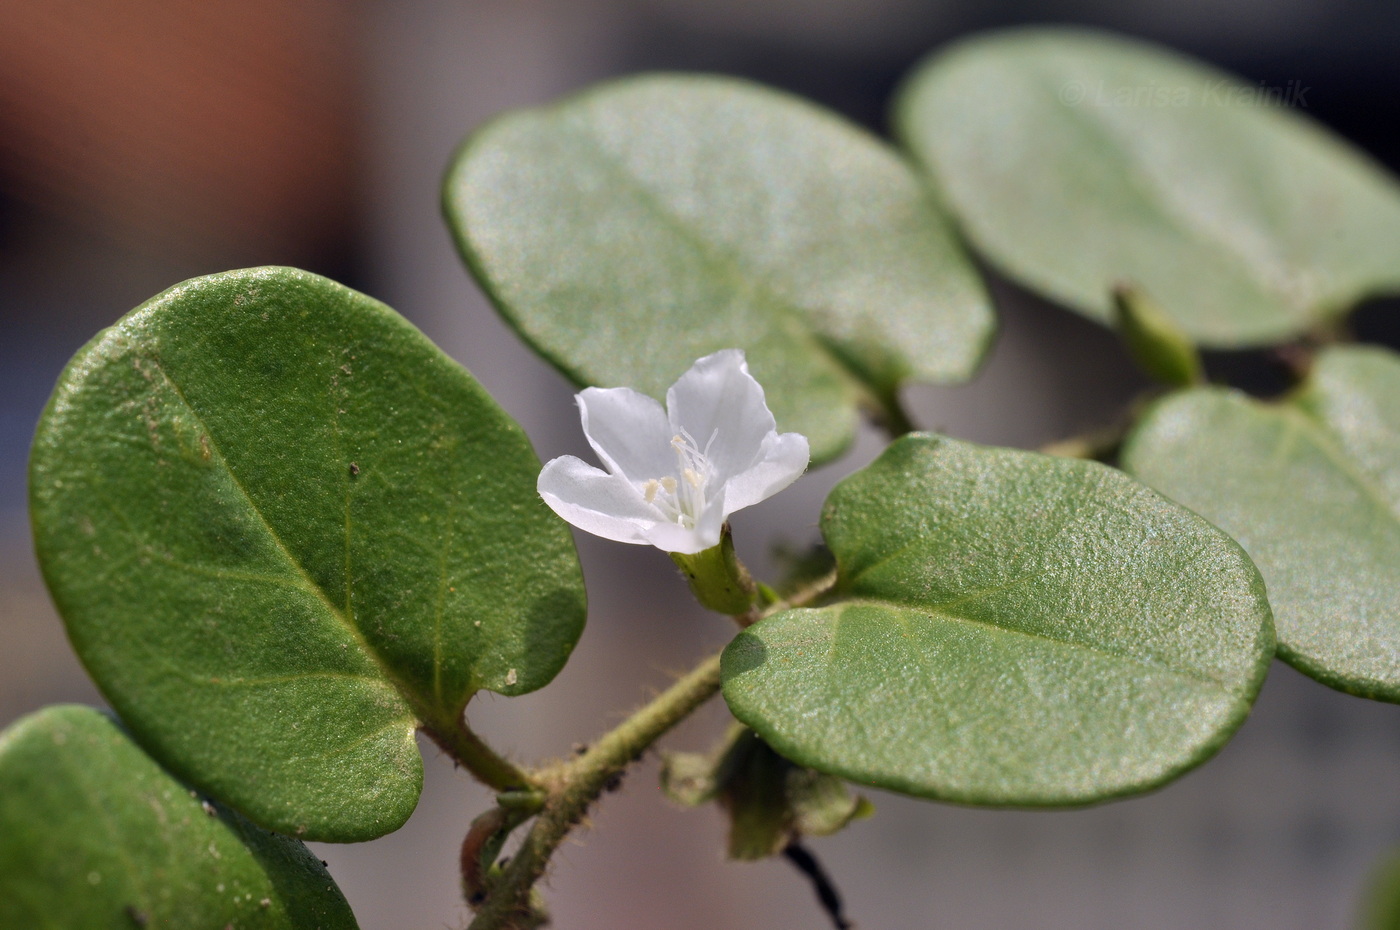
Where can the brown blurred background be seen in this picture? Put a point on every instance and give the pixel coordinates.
(147, 141)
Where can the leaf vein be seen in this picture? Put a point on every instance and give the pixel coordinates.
(1196, 674)
(344, 620)
(744, 278)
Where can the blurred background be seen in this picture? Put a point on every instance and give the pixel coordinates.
(143, 142)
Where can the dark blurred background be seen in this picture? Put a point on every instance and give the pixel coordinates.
(147, 141)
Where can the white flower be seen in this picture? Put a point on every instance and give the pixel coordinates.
(675, 475)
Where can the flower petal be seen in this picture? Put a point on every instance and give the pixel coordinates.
(718, 393)
(593, 500)
(629, 432)
(673, 537)
(782, 461)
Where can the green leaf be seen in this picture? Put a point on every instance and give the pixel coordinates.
(1009, 629)
(1311, 488)
(1380, 904)
(1076, 159)
(94, 834)
(632, 229)
(283, 530)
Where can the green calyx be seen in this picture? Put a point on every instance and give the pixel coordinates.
(1155, 341)
(718, 579)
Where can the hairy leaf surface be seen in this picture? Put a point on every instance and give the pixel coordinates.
(632, 229)
(1311, 488)
(283, 530)
(1077, 161)
(1008, 629)
(94, 834)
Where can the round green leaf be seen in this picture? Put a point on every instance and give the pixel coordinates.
(283, 530)
(1380, 902)
(1311, 488)
(1077, 160)
(632, 229)
(94, 834)
(1009, 629)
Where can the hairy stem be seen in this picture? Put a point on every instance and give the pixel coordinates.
(467, 749)
(569, 788)
(576, 784)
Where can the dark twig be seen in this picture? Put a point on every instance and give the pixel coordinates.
(806, 863)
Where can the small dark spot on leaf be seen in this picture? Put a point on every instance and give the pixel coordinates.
(613, 783)
(208, 808)
(354, 469)
(325, 864)
(138, 917)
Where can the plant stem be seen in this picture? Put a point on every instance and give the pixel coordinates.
(481, 832)
(570, 787)
(806, 863)
(467, 749)
(892, 417)
(1102, 443)
(1097, 444)
(806, 594)
(574, 785)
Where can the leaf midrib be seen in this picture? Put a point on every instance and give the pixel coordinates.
(356, 636)
(751, 281)
(137, 878)
(852, 582)
(1158, 204)
(898, 607)
(1319, 432)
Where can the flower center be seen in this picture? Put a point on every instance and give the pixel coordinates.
(681, 497)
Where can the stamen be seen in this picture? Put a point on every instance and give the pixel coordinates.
(684, 499)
